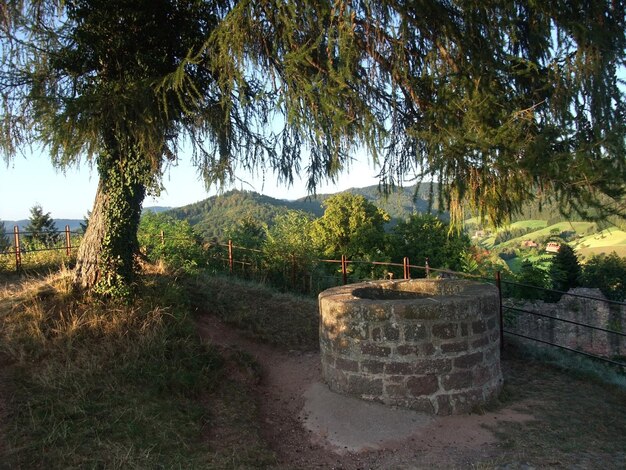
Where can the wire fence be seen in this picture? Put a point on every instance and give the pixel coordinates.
(579, 321)
(39, 250)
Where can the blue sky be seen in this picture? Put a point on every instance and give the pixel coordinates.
(31, 180)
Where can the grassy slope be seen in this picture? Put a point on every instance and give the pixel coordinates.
(94, 385)
(605, 241)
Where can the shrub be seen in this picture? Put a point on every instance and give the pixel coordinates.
(608, 273)
(171, 242)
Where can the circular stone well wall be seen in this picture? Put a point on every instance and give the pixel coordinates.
(428, 345)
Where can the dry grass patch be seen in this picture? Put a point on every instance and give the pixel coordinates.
(104, 385)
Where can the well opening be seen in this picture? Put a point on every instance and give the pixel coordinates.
(429, 345)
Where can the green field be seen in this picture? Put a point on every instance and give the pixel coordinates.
(587, 242)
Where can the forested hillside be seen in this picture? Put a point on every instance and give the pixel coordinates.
(214, 216)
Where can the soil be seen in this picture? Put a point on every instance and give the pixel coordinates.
(442, 442)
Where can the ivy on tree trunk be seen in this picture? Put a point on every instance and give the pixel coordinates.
(106, 257)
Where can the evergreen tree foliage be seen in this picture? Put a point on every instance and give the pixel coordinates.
(41, 229)
(531, 275)
(608, 273)
(5, 242)
(248, 232)
(85, 223)
(500, 102)
(425, 236)
(565, 270)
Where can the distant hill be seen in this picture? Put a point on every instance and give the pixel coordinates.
(156, 209)
(214, 216)
(74, 224)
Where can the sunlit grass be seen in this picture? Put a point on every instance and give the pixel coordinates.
(286, 320)
(100, 385)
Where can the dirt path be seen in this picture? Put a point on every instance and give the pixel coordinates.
(448, 442)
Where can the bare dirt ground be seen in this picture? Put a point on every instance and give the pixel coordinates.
(285, 376)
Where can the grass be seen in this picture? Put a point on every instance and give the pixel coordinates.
(605, 241)
(580, 419)
(95, 385)
(285, 320)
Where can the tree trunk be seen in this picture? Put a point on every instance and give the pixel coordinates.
(105, 262)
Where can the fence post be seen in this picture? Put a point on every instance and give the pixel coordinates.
(230, 256)
(18, 248)
(427, 268)
(407, 270)
(162, 238)
(499, 286)
(344, 269)
(68, 241)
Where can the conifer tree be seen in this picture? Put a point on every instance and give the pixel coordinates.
(500, 102)
(565, 270)
(5, 242)
(41, 229)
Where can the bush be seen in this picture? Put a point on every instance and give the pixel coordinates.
(171, 242)
(607, 273)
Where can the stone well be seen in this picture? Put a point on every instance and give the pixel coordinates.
(428, 345)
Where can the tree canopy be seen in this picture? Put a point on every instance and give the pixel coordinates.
(351, 226)
(41, 229)
(425, 237)
(499, 102)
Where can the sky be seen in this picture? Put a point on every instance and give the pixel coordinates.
(32, 180)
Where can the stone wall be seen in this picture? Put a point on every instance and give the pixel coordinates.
(428, 345)
(586, 311)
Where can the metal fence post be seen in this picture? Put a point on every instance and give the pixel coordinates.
(407, 270)
(499, 286)
(18, 248)
(344, 269)
(427, 268)
(68, 241)
(230, 256)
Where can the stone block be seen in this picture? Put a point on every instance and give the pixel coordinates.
(346, 364)
(375, 350)
(444, 408)
(414, 332)
(391, 333)
(372, 367)
(458, 346)
(366, 386)
(377, 334)
(433, 366)
(480, 376)
(395, 390)
(444, 330)
(423, 385)
(422, 405)
(407, 350)
(480, 342)
(468, 361)
(464, 402)
(457, 380)
(479, 327)
(399, 368)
